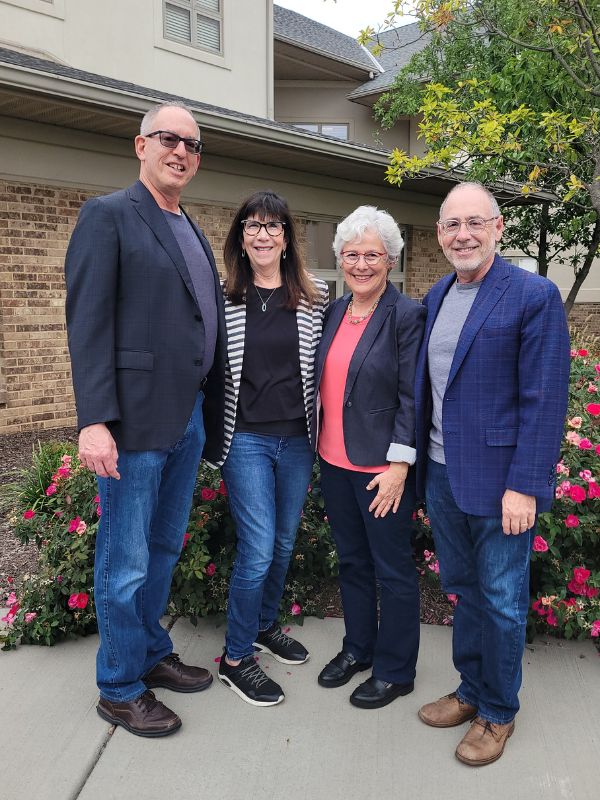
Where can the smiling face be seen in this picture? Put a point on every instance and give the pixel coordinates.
(471, 254)
(366, 282)
(264, 251)
(163, 171)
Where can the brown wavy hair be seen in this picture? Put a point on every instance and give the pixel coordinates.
(265, 206)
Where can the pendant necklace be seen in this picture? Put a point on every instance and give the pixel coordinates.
(263, 306)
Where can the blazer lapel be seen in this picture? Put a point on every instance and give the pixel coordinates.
(381, 313)
(149, 211)
(491, 290)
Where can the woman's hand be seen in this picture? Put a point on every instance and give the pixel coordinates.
(390, 486)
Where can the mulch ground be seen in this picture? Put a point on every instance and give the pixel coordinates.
(18, 560)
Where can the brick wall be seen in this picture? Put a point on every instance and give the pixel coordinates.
(425, 262)
(586, 317)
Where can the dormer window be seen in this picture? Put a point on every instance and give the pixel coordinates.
(198, 23)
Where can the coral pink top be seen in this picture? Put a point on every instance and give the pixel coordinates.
(333, 382)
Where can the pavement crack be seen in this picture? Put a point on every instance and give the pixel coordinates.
(99, 753)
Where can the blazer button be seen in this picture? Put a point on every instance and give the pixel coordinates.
(197, 362)
(349, 404)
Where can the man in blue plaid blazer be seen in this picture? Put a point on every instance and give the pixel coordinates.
(491, 397)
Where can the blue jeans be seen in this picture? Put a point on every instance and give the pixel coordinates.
(267, 479)
(143, 522)
(489, 572)
(375, 551)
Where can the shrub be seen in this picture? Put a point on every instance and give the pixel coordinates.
(55, 504)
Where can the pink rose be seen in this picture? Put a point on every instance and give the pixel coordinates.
(572, 521)
(11, 599)
(295, 610)
(593, 490)
(597, 448)
(222, 488)
(96, 499)
(581, 574)
(208, 494)
(453, 598)
(591, 591)
(558, 492)
(585, 444)
(575, 422)
(538, 606)
(595, 629)
(592, 388)
(73, 524)
(576, 588)
(585, 475)
(434, 566)
(593, 409)
(551, 618)
(565, 486)
(540, 545)
(29, 514)
(210, 569)
(583, 353)
(573, 438)
(78, 600)
(30, 616)
(72, 601)
(186, 538)
(597, 368)
(64, 472)
(577, 494)
(12, 613)
(51, 489)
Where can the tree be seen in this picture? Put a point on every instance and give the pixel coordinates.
(508, 92)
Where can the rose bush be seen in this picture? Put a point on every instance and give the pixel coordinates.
(54, 504)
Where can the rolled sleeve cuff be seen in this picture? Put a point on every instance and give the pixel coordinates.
(401, 452)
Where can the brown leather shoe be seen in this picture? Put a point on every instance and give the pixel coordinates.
(484, 742)
(446, 712)
(144, 716)
(172, 673)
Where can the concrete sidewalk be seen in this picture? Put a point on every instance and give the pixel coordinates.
(314, 746)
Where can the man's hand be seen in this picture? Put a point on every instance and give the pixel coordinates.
(518, 512)
(390, 486)
(98, 451)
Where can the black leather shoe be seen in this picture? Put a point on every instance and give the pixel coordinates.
(374, 693)
(339, 670)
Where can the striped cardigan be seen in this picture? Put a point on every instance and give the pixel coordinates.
(310, 325)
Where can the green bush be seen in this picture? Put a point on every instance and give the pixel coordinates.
(54, 504)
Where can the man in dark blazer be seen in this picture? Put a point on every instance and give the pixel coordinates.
(491, 397)
(146, 336)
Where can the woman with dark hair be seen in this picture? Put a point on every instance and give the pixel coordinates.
(274, 312)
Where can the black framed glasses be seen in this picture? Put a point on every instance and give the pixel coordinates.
(171, 140)
(252, 227)
(474, 225)
(352, 258)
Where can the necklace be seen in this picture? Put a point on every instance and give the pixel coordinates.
(263, 306)
(357, 320)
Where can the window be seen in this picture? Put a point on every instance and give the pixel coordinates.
(336, 129)
(50, 8)
(198, 23)
(525, 262)
(321, 258)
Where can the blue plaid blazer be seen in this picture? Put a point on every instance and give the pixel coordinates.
(506, 397)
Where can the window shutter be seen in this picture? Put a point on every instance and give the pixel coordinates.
(208, 33)
(209, 5)
(178, 23)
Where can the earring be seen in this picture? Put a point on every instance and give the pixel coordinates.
(283, 255)
(243, 253)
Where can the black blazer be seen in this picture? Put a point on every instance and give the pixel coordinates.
(134, 326)
(379, 410)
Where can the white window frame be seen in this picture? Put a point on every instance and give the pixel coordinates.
(319, 126)
(522, 261)
(51, 8)
(189, 49)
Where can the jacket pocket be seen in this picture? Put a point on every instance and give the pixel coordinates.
(382, 410)
(501, 437)
(134, 359)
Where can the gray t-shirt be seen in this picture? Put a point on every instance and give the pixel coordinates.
(440, 353)
(202, 279)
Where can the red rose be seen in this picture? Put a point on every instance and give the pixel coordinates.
(572, 521)
(210, 569)
(222, 488)
(577, 494)
(540, 545)
(208, 494)
(29, 514)
(186, 538)
(593, 490)
(82, 600)
(581, 574)
(576, 587)
(593, 409)
(582, 353)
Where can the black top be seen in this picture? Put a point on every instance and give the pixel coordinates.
(271, 399)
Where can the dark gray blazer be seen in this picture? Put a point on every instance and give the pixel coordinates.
(379, 409)
(134, 326)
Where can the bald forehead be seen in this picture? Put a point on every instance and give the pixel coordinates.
(467, 201)
(172, 118)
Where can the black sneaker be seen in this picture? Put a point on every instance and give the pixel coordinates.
(282, 647)
(249, 682)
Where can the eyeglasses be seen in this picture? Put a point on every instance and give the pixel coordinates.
(252, 227)
(352, 258)
(474, 225)
(171, 140)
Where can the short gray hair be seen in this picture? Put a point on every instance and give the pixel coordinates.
(147, 123)
(369, 218)
(474, 185)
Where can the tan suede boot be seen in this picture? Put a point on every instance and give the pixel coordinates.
(446, 712)
(484, 742)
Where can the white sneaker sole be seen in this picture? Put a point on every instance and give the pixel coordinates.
(262, 648)
(230, 685)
